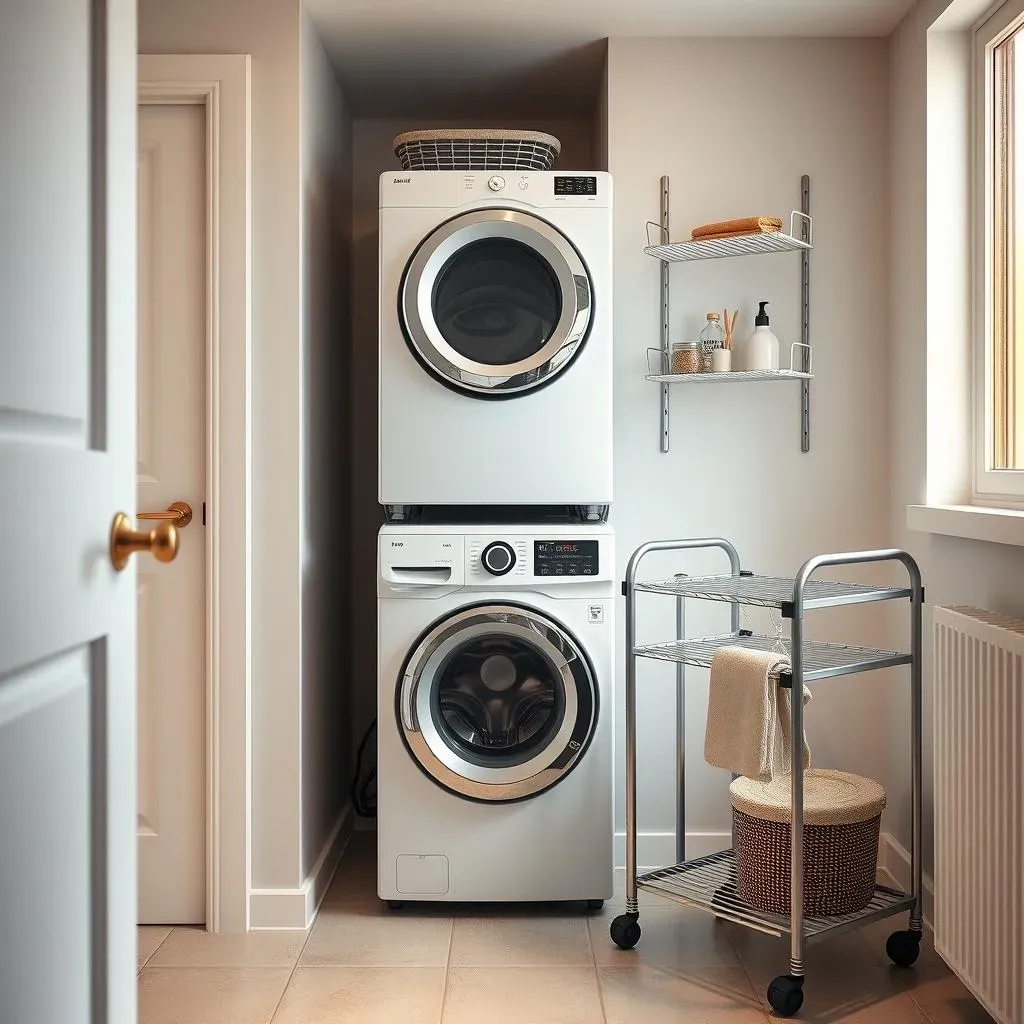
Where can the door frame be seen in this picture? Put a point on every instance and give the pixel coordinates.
(220, 84)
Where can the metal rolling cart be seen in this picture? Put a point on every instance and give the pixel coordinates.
(709, 883)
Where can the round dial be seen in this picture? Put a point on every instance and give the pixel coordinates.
(496, 183)
(498, 558)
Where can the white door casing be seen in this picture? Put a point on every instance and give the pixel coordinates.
(171, 356)
(67, 454)
(219, 85)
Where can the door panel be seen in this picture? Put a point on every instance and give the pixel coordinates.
(171, 467)
(67, 442)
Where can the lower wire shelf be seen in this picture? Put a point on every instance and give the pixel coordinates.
(709, 884)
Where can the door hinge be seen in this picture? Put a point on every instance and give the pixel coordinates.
(204, 513)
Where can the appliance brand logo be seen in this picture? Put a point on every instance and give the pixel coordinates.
(402, 181)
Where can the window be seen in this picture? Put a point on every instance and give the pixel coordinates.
(999, 296)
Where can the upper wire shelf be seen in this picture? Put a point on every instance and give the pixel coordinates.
(820, 660)
(771, 591)
(741, 245)
(657, 370)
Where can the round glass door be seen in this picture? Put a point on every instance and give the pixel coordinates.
(497, 703)
(495, 303)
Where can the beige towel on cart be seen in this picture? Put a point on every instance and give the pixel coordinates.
(749, 714)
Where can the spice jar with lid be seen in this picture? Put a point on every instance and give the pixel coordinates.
(711, 337)
(686, 357)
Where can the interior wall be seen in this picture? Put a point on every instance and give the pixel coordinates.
(735, 124)
(955, 571)
(326, 329)
(372, 154)
(268, 30)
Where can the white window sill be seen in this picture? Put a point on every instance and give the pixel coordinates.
(974, 522)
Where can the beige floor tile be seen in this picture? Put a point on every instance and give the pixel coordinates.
(930, 982)
(520, 941)
(522, 995)
(196, 947)
(355, 878)
(369, 995)
(369, 937)
(654, 994)
(147, 942)
(209, 995)
(646, 899)
(668, 936)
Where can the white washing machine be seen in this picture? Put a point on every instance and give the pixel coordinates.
(495, 338)
(495, 660)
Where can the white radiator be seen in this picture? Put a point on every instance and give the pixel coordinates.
(979, 805)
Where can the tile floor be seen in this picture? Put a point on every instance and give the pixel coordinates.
(532, 965)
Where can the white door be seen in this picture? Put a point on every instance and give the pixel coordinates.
(171, 469)
(67, 456)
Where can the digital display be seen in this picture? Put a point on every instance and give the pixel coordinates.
(577, 185)
(565, 558)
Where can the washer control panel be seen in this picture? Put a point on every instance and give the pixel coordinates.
(566, 558)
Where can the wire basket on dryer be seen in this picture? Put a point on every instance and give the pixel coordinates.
(477, 149)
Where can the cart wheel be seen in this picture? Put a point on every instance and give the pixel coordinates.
(786, 994)
(903, 948)
(595, 905)
(395, 904)
(625, 931)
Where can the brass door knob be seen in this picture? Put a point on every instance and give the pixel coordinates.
(161, 542)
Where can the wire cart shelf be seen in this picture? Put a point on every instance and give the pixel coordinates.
(709, 883)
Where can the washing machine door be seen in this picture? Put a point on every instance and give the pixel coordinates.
(497, 702)
(495, 303)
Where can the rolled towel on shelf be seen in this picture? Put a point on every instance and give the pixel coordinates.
(748, 730)
(740, 226)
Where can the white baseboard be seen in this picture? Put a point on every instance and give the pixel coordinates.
(658, 849)
(894, 862)
(296, 908)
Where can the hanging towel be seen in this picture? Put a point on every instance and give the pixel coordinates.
(741, 226)
(748, 714)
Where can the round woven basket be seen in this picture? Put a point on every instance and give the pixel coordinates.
(477, 149)
(842, 814)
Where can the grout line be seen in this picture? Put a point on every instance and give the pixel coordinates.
(597, 974)
(447, 967)
(145, 963)
(295, 966)
(759, 999)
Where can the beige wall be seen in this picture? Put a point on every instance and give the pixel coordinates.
(326, 332)
(956, 571)
(269, 31)
(735, 123)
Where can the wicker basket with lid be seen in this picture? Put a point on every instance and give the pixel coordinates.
(477, 149)
(842, 814)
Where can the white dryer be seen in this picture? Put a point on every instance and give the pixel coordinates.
(495, 338)
(495, 661)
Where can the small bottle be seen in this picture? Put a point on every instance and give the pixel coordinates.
(711, 337)
(761, 351)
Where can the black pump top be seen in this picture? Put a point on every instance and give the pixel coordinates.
(761, 320)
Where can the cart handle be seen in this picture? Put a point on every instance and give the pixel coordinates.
(694, 544)
(812, 565)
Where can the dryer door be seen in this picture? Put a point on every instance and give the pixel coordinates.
(495, 303)
(497, 702)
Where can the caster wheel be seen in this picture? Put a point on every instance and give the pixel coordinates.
(625, 931)
(395, 904)
(595, 904)
(903, 948)
(786, 994)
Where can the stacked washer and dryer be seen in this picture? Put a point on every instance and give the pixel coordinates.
(496, 569)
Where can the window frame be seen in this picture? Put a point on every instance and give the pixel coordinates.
(990, 487)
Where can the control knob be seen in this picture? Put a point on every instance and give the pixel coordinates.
(498, 558)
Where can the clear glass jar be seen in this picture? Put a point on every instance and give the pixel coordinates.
(711, 337)
(686, 357)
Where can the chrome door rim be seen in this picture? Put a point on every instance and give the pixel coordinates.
(444, 764)
(415, 302)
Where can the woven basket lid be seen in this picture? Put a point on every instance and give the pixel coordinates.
(830, 798)
(477, 134)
